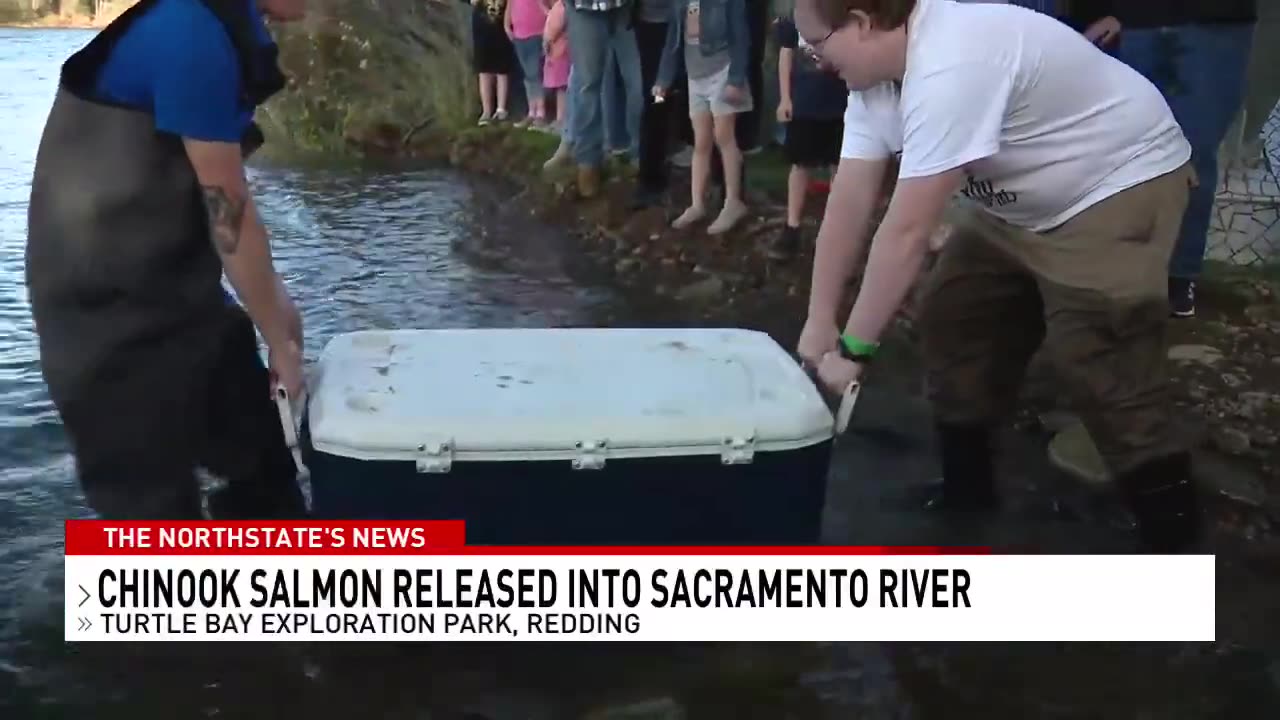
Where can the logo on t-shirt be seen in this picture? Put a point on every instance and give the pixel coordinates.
(984, 191)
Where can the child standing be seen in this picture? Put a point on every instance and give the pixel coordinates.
(812, 104)
(493, 56)
(715, 59)
(524, 23)
(555, 73)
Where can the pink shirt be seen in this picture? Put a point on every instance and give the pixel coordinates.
(555, 31)
(527, 18)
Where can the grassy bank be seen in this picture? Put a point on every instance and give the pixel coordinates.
(370, 76)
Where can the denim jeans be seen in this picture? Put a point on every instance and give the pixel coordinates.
(593, 36)
(529, 52)
(570, 107)
(617, 134)
(1200, 69)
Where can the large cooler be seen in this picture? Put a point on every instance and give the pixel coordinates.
(571, 436)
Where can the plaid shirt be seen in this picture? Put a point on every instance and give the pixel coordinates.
(599, 5)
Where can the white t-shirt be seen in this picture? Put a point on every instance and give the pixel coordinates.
(1044, 123)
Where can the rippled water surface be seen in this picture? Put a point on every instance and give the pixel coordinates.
(381, 249)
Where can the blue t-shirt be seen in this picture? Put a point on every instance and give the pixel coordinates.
(178, 62)
(815, 93)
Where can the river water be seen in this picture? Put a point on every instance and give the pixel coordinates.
(381, 248)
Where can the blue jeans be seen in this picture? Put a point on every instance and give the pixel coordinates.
(593, 36)
(570, 107)
(529, 52)
(617, 133)
(1200, 70)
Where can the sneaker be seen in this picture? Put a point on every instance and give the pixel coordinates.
(1182, 297)
(730, 214)
(485, 119)
(523, 123)
(500, 116)
(691, 215)
(563, 154)
(785, 244)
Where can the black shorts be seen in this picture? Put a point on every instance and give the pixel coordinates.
(814, 142)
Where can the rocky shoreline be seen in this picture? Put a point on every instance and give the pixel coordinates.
(1226, 361)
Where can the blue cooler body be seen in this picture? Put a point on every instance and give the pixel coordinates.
(571, 436)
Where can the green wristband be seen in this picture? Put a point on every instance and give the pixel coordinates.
(858, 347)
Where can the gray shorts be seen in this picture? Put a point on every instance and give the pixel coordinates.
(706, 95)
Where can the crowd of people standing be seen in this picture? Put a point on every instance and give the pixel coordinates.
(640, 78)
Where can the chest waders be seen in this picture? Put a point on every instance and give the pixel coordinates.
(156, 376)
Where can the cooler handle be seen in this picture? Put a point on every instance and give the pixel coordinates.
(848, 399)
(289, 422)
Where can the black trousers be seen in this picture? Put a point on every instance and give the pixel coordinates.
(748, 126)
(140, 441)
(650, 37)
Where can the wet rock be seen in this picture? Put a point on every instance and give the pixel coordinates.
(1232, 482)
(1203, 354)
(1232, 381)
(703, 290)
(1259, 314)
(1230, 440)
(626, 266)
(657, 709)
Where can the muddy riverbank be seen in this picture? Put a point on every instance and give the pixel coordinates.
(1225, 362)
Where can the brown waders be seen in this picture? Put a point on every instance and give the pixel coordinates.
(1094, 291)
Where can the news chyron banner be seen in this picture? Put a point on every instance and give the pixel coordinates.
(398, 581)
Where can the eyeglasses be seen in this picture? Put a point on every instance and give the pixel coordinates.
(811, 49)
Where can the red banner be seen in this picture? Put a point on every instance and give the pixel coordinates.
(349, 537)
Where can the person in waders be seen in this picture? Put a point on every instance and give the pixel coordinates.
(138, 204)
(1070, 177)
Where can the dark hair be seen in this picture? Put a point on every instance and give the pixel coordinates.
(885, 14)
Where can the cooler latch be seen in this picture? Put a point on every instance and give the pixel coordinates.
(435, 457)
(590, 455)
(738, 450)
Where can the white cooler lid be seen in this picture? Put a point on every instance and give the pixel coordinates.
(521, 394)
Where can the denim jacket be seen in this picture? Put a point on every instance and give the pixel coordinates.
(723, 25)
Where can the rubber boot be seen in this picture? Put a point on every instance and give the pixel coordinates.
(968, 469)
(1162, 498)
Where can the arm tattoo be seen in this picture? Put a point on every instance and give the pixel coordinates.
(225, 215)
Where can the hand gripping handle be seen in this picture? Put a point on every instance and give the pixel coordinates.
(848, 399)
(289, 423)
